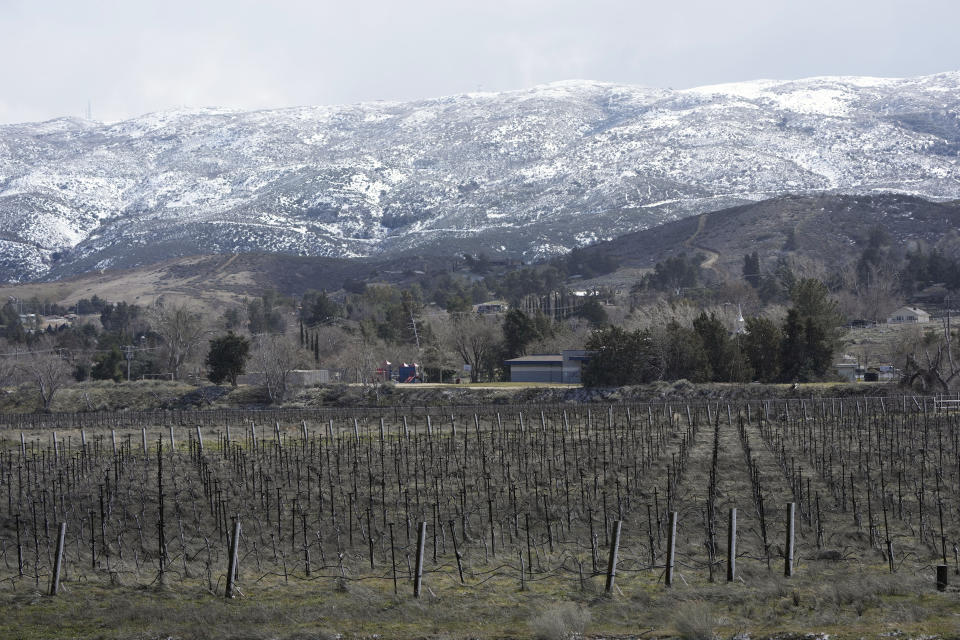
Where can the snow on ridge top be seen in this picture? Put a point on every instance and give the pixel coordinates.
(167, 115)
(755, 89)
(560, 89)
(544, 166)
(827, 102)
(828, 96)
(56, 125)
(150, 122)
(861, 82)
(751, 89)
(573, 84)
(565, 89)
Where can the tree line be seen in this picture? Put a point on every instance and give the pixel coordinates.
(799, 349)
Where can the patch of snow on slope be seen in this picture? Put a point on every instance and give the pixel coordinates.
(826, 102)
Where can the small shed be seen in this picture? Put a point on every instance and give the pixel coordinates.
(309, 377)
(847, 370)
(908, 315)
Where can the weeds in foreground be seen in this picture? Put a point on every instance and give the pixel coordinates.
(695, 622)
(560, 622)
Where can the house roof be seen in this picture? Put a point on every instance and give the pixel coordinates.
(536, 359)
(916, 310)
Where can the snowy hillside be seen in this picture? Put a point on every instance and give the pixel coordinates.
(527, 173)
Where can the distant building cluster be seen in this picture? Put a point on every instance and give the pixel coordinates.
(33, 322)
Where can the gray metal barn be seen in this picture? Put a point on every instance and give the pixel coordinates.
(561, 368)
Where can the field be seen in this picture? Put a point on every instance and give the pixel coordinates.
(512, 512)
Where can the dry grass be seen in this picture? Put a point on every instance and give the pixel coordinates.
(862, 604)
(98, 396)
(188, 281)
(560, 622)
(695, 621)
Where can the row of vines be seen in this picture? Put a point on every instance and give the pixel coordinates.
(506, 496)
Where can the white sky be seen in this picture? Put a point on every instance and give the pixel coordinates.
(135, 56)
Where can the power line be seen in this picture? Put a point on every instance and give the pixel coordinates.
(28, 352)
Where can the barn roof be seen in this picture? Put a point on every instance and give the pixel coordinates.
(536, 359)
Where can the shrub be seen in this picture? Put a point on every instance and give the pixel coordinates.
(560, 622)
(696, 622)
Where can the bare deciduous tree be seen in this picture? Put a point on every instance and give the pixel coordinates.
(572, 333)
(437, 356)
(276, 356)
(936, 367)
(474, 338)
(8, 372)
(332, 340)
(871, 293)
(8, 366)
(48, 372)
(182, 331)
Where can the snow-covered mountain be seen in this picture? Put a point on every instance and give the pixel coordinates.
(528, 173)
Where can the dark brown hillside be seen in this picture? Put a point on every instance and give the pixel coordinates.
(832, 229)
(214, 280)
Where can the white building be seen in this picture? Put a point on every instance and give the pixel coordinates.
(908, 315)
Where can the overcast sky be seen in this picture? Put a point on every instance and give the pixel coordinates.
(136, 56)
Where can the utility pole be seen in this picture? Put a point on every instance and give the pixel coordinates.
(416, 335)
(128, 351)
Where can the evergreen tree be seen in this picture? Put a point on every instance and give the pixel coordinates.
(81, 372)
(793, 349)
(118, 318)
(751, 269)
(227, 358)
(761, 346)
(728, 362)
(785, 277)
(620, 358)
(810, 332)
(739, 367)
(593, 312)
(716, 344)
(873, 255)
(12, 327)
(684, 357)
(108, 366)
(819, 346)
(318, 308)
(518, 331)
(675, 272)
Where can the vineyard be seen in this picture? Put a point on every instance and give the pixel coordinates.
(469, 521)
